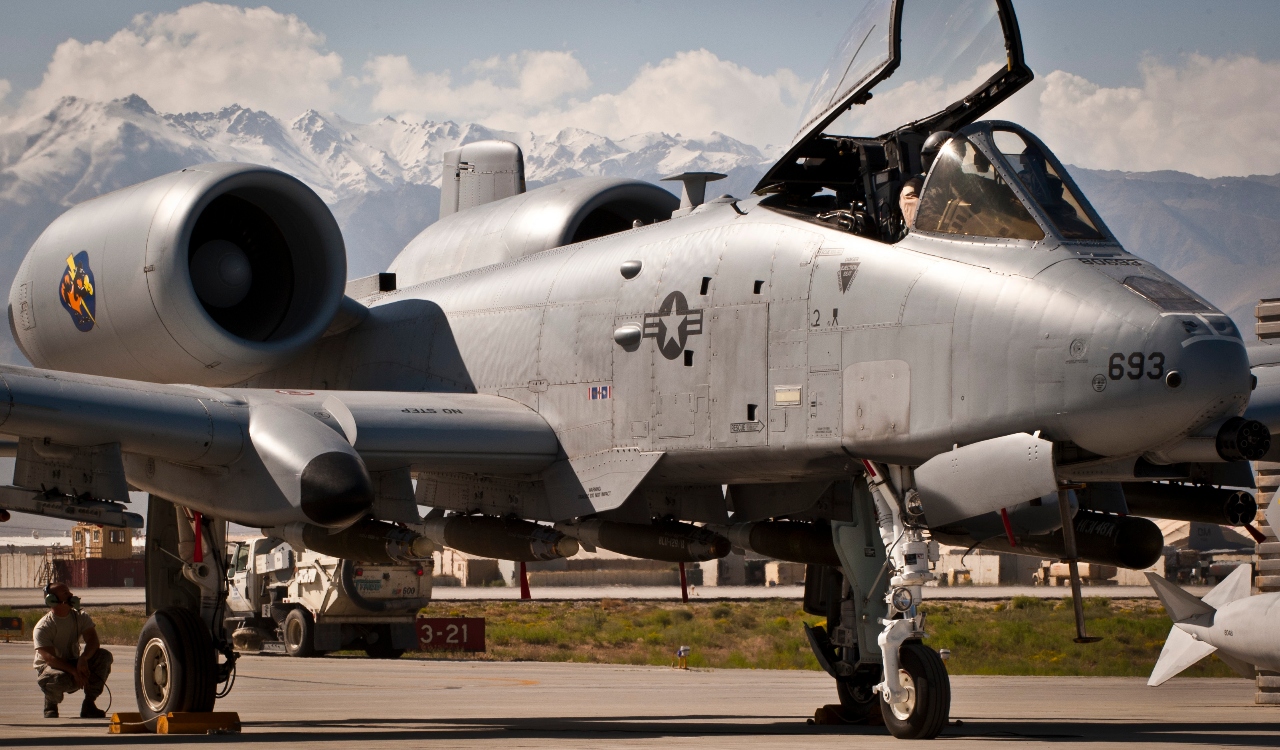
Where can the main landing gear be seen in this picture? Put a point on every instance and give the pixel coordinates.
(183, 654)
(175, 665)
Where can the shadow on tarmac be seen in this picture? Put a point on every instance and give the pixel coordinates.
(692, 726)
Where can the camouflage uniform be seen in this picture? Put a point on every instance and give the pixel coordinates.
(61, 636)
(55, 683)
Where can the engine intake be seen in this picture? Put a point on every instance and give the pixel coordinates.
(209, 276)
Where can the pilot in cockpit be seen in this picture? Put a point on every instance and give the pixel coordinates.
(929, 150)
(909, 200)
(1049, 191)
(909, 197)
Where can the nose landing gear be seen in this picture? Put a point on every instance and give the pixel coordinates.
(924, 702)
(915, 692)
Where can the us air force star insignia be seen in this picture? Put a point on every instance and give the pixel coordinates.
(672, 325)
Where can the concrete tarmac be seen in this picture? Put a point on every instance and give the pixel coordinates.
(126, 596)
(340, 702)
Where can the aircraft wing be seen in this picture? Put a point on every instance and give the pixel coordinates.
(256, 456)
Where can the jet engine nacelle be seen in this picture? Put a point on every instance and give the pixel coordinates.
(565, 212)
(208, 276)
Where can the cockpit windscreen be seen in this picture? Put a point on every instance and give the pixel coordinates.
(1037, 174)
(965, 194)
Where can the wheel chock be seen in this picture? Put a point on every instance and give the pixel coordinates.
(128, 723)
(191, 722)
(211, 722)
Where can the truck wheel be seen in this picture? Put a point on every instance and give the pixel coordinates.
(299, 633)
(377, 645)
(925, 711)
(175, 665)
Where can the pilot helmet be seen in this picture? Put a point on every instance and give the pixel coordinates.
(932, 145)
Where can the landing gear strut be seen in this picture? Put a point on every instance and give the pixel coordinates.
(177, 665)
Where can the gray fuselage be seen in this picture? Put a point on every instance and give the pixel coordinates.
(798, 347)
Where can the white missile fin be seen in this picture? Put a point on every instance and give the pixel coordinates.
(1181, 650)
(1180, 605)
(1235, 586)
(1273, 515)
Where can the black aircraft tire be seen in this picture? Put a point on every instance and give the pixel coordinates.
(299, 633)
(856, 698)
(924, 717)
(175, 665)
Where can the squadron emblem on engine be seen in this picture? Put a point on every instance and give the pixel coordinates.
(672, 325)
(77, 291)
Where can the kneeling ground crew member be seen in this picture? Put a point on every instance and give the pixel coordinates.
(61, 667)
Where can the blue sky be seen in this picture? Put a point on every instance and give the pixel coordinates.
(1097, 64)
(1100, 40)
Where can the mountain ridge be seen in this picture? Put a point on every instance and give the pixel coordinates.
(381, 180)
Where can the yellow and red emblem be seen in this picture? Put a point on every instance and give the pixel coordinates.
(77, 292)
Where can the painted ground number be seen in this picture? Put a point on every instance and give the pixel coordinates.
(1136, 365)
(450, 633)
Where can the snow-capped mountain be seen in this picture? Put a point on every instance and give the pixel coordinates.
(381, 180)
(83, 148)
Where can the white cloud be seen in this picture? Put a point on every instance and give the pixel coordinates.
(693, 93)
(5, 88)
(514, 86)
(1207, 116)
(200, 57)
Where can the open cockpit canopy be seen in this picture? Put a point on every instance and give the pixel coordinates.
(905, 63)
(905, 69)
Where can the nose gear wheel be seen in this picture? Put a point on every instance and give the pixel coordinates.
(923, 713)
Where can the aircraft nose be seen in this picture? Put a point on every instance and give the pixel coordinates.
(1178, 377)
(1204, 368)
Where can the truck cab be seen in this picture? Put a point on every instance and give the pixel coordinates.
(308, 604)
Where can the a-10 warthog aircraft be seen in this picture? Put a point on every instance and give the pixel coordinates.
(918, 332)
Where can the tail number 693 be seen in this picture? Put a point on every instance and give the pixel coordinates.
(1135, 365)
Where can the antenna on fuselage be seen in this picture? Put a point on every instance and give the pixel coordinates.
(695, 189)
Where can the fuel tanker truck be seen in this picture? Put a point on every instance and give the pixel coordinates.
(285, 594)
